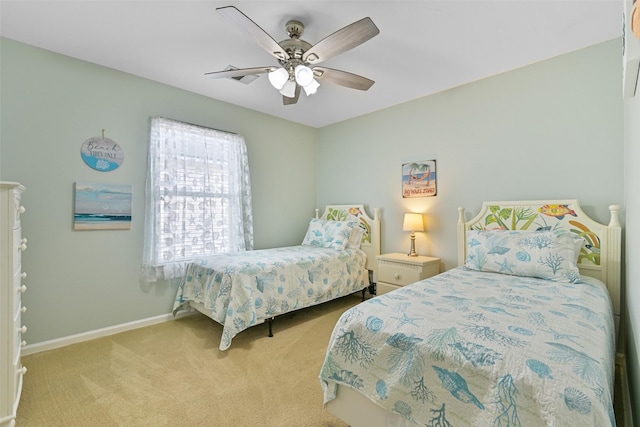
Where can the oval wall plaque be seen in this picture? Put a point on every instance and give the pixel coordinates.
(102, 154)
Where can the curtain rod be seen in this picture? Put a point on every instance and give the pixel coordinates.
(200, 126)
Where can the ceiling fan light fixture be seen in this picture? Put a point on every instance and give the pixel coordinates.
(289, 89)
(278, 78)
(304, 75)
(311, 88)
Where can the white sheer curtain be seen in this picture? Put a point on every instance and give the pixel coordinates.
(198, 197)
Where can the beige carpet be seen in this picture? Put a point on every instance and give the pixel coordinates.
(173, 374)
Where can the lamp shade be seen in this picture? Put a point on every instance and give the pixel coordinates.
(413, 222)
(304, 75)
(289, 89)
(311, 88)
(278, 78)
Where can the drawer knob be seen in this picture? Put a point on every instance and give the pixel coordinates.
(21, 209)
(396, 276)
(23, 343)
(22, 289)
(23, 329)
(23, 275)
(22, 370)
(23, 247)
(23, 309)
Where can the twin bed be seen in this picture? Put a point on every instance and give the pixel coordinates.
(243, 289)
(522, 333)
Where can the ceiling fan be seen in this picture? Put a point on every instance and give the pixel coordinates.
(298, 58)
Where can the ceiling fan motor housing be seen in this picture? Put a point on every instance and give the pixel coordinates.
(294, 47)
(294, 29)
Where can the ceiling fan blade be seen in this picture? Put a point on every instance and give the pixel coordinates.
(240, 72)
(254, 31)
(342, 40)
(342, 78)
(290, 101)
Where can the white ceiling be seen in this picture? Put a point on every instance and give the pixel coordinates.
(423, 47)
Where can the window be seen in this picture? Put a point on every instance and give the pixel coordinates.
(198, 197)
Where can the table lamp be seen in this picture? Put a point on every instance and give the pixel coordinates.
(413, 222)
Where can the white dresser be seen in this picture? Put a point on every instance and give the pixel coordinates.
(12, 244)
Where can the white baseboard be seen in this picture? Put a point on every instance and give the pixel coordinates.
(626, 396)
(98, 333)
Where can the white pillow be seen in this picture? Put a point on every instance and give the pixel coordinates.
(355, 240)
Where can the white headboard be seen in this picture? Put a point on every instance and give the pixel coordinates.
(600, 255)
(371, 226)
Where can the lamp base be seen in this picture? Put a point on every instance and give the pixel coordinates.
(412, 252)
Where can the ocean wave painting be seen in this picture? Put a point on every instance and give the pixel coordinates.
(102, 206)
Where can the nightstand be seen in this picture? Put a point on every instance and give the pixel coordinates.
(396, 270)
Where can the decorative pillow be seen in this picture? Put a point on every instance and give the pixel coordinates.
(542, 254)
(328, 234)
(355, 240)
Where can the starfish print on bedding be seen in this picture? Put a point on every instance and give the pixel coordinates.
(505, 266)
(406, 319)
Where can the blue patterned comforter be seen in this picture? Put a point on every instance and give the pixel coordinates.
(243, 289)
(468, 348)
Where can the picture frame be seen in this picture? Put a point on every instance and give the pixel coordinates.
(419, 179)
(101, 206)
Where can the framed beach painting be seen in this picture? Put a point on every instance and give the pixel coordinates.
(102, 206)
(419, 179)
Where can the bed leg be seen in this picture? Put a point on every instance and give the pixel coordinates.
(363, 292)
(270, 321)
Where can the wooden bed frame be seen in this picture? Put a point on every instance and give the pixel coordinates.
(600, 258)
(370, 243)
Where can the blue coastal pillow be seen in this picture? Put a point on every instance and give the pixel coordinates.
(543, 254)
(328, 234)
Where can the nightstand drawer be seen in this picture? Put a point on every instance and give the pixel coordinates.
(398, 274)
(395, 270)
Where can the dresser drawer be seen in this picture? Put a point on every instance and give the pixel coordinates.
(17, 341)
(15, 293)
(18, 209)
(16, 254)
(17, 349)
(18, 379)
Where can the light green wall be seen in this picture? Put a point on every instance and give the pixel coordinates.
(84, 280)
(550, 130)
(553, 129)
(632, 195)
